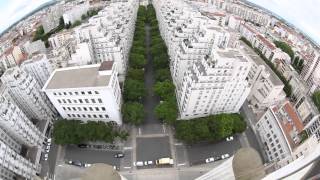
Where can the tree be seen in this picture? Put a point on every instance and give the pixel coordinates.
(164, 89)
(76, 23)
(316, 99)
(167, 112)
(133, 90)
(300, 65)
(136, 74)
(137, 61)
(133, 112)
(61, 23)
(163, 74)
(285, 48)
(295, 61)
(83, 16)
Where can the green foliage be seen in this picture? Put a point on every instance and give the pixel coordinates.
(164, 89)
(133, 90)
(316, 99)
(137, 61)
(211, 128)
(136, 74)
(76, 132)
(83, 17)
(162, 75)
(39, 33)
(167, 111)
(133, 113)
(76, 23)
(287, 87)
(285, 48)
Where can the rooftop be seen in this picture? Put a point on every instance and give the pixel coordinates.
(79, 77)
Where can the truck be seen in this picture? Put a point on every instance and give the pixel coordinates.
(164, 161)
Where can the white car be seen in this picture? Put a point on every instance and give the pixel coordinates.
(138, 163)
(225, 156)
(150, 162)
(49, 140)
(46, 157)
(87, 165)
(229, 138)
(211, 159)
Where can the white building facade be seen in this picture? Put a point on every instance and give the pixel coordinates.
(85, 93)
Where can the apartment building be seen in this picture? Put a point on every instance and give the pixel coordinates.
(59, 39)
(75, 12)
(83, 55)
(26, 93)
(216, 84)
(90, 92)
(38, 67)
(266, 87)
(51, 20)
(279, 129)
(12, 162)
(111, 33)
(248, 13)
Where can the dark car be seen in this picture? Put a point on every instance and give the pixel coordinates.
(119, 155)
(82, 145)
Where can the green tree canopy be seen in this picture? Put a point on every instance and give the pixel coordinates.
(164, 89)
(133, 113)
(167, 112)
(285, 48)
(136, 74)
(163, 74)
(137, 61)
(133, 90)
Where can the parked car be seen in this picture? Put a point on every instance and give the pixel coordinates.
(217, 158)
(49, 140)
(76, 163)
(164, 161)
(82, 145)
(208, 160)
(119, 155)
(138, 163)
(150, 162)
(87, 165)
(47, 149)
(225, 156)
(229, 138)
(46, 156)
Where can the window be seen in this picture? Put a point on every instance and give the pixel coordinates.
(95, 116)
(79, 108)
(85, 109)
(96, 92)
(59, 101)
(63, 108)
(69, 108)
(69, 115)
(83, 115)
(89, 116)
(73, 108)
(93, 100)
(76, 93)
(73, 115)
(86, 100)
(75, 101)
(64, 93)
(100, 100)
(82, 92)
(64, 101)
(100, 116)
(69, 101)
(78, 115)
(80, 100)
(54, 93)
(103, 108)
(70, 93)
(90, 108)
(106, 116)
(97, 108)
(89, 92)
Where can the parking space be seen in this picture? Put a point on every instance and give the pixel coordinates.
(152, 148)
(198, 153)
(85, 155)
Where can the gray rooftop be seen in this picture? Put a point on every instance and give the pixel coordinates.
(77, 77)
(256, 59)
(232, 54)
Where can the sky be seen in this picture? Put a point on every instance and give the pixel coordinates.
(304, 14)
(13, 10)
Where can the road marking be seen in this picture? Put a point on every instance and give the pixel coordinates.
(127, 167)
(139, 131)
(163, 128)
(178, 144)
(127, 148)
(182, 164)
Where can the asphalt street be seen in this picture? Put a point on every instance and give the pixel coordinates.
(92, 156)
(198, 153)
(48, 167)
(151, 149)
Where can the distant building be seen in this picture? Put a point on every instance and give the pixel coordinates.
(51, 20)
(90, 92)
(72, 15)
(83, 55)
(34, 47)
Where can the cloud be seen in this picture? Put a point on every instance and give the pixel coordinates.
(13, 10)
(304, 14)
